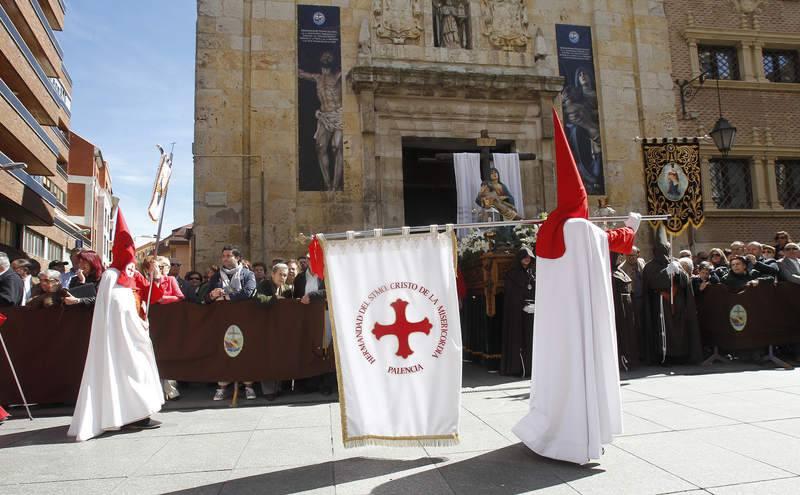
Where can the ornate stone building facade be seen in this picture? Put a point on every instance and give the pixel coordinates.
(418, 76)
(751, 47)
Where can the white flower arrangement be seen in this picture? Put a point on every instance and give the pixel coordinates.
(526, 234)
(473, 243)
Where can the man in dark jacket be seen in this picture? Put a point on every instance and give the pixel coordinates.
(10, 284)
(756, 261)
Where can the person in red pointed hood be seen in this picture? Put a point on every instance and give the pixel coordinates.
(120, 385)
(575, 397)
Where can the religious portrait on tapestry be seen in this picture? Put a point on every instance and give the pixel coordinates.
(672, 181)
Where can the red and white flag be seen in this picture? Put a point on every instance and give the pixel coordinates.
(397, 333)
(160, 186)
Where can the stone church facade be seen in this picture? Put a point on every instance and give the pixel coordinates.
(409, 87)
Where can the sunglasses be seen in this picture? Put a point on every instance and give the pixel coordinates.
(195, 278)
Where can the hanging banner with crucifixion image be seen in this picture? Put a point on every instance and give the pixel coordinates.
(397, 337)
(673, 185)
(319, 99)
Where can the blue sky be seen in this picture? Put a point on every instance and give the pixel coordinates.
(132, 68)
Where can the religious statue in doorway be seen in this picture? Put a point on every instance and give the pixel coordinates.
(494, 195)
(451, 23)
(328, 137)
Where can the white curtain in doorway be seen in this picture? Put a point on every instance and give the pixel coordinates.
(468, 184)
(508, 166)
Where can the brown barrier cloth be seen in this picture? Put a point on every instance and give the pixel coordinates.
(281, 341)
(773, 316)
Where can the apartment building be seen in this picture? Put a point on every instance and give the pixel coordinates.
(35, 106)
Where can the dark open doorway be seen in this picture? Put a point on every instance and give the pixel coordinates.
(429, 186)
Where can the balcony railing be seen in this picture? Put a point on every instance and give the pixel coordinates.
(61, 91)
(12, 99)
(31, 182)
(46, 24)
(12, 30)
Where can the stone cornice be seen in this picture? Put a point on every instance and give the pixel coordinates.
(453, 81)
(737, 36)
(760, 213)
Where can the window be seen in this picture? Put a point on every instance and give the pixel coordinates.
(731, 186)
(787, 176)
(59, 193)
(33, 243)
(8, 233)
(55, 251)
(720, 62)
(781, 66)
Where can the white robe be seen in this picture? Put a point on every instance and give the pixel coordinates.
(575, 394)
(120, 383)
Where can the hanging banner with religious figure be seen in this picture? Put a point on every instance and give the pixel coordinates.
(580, 104)
(673, 184)
(319, 99)
(397, 336)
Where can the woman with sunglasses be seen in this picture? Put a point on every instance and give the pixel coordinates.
(718, 261)
(781, 239)
(192, 292)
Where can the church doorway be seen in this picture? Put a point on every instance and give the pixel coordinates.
(429, 185)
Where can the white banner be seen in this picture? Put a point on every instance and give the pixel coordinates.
(397, 334)
(160, 186)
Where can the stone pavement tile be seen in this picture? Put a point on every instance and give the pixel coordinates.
(200, 483)
(634, 425)
(78, 487)
(213, 420)
(674, 416)
(316, 479)
(474, 435)
(503, 423)
(287, 447)
(495, 401)
(190, 453)
(618, 472)
(667, 387)
(776, 449)
(696, 461)
(383, 452)
(506, 471)
(633, 396)
(787, 426)
(773, 378)
(773, 487)
(19, 421)
(748, 406)
(361, 475)
(97, 458)
(296, 416)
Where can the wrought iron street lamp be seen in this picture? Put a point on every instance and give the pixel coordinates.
(723, 133)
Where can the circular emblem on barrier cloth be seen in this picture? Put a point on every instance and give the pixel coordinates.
(738, 317)
(234, 341)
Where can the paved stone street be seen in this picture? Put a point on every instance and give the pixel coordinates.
(728, 430)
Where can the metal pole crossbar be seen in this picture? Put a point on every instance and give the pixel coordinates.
(467, 226)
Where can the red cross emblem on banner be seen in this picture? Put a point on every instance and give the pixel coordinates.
(402, 328)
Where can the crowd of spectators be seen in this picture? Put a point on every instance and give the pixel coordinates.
(23, 283)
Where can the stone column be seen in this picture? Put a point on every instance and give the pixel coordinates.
(747, 70)
(758, 62)
(705, 176)
(773, 201)
(759, 181)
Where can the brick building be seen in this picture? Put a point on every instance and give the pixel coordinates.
(34, 121)
(751, 49)
(89, 192)
(178, 245)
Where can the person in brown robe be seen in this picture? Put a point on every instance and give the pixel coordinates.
(626, 321)
(518, 307)
(670, 331)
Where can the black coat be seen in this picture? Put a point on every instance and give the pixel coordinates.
(626, 320)
(11, 288)
(517, 342)
(300, 288)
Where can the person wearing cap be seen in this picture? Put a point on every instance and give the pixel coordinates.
(120, 386)
(68, 275)
(175, 272)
